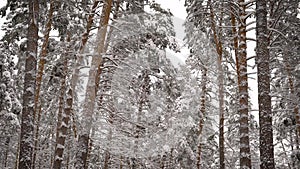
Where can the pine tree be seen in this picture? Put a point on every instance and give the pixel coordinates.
(92, 87)
(264, 98)
(39, 77)
(216, 31)
(245, 155)
(283, 40)
(9, 108)
(63, 117)
(26, 139)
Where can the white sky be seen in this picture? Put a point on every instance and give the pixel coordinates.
(175, 6)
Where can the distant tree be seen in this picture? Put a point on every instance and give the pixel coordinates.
(141, 47)
(284, 41)
(203, 35)
(10, 107)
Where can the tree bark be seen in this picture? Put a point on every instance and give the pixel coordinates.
(107, 83)
(264, 99)
(79, 61)
(221, 114)
(92, 88)
(39, 77)
(245, 155)
(27, 127)
(63, 117)
(219, 49)
(84, 40)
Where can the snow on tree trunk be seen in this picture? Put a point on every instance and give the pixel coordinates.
(106, 86)
(264, 98)
(27, 126)
(39, 77)
(80, 60)
(219, 50)
(245, 156)
(202, 113)
(63, 117)
(84, 40)
(92, 87)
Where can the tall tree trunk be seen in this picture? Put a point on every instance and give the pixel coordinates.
(202, 113)
(245, 154)
(92, 87)
(219, 50)
(117, 14)
(221, 114)
(264, 99)
(63, 117)
(79, 61)
(84, 40)
(39, 77)
(27, 127)
(106, 85)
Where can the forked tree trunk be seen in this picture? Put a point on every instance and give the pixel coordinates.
(264, 99)
(27, 127)
(84, 40)
(245, 154)
(79, 61)
(92, 87)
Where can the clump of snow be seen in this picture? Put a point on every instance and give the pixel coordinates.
(7, 74)
(2, 87)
